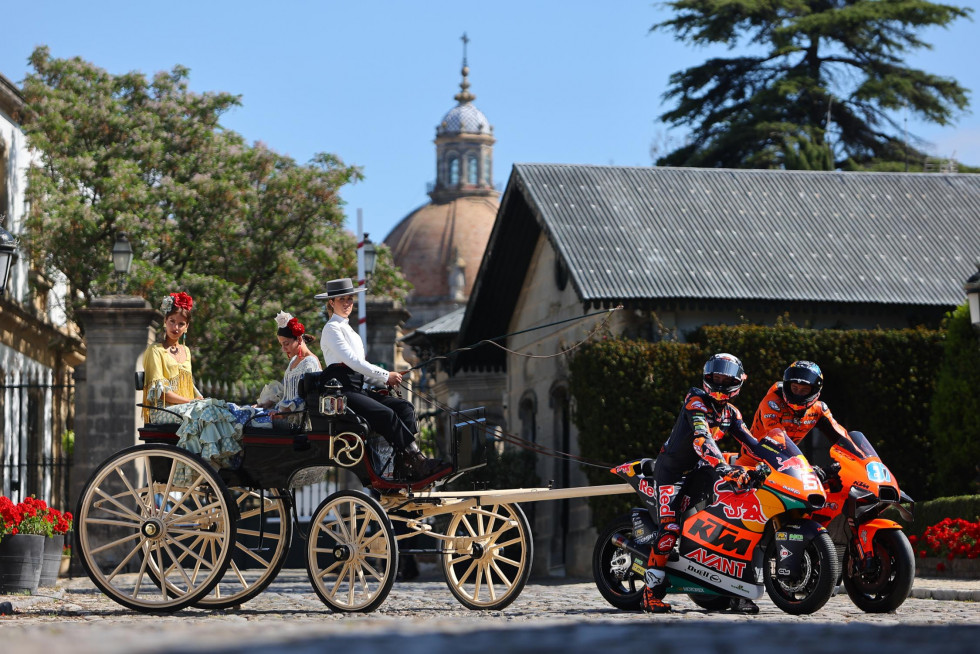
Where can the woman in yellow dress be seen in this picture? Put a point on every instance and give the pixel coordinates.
(207, 427)
(169, 377)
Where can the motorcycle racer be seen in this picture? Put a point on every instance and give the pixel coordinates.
(793, 404)
(705, 416)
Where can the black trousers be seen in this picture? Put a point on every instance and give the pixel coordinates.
(392, 417)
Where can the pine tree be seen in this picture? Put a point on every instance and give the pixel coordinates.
(817, 76)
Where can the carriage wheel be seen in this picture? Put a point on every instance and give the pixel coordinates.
(155, 528)
(352, 556)
(488, 557)
(265, 531)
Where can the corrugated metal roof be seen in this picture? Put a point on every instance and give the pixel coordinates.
(447, 324)
(635, 233)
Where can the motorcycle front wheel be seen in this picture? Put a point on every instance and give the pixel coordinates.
(612, 568)
(810, 590)
(888, 579)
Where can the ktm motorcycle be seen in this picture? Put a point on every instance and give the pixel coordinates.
(877, 562)
(734, 542)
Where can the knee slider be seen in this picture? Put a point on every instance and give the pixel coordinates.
(667, 537)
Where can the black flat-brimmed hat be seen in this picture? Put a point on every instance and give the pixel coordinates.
(338, 288)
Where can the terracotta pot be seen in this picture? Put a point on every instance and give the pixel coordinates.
(51, 560)
(20, 563)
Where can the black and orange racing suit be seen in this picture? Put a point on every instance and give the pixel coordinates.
(773, 412)
(691, 445)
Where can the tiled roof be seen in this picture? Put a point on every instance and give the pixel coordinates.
(631, 233)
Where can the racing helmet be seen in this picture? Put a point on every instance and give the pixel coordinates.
(734, 375)
(802, 372)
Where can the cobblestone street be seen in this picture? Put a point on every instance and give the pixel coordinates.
(423, 616)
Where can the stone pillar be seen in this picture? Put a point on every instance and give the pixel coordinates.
(384, 327)
(117, 330)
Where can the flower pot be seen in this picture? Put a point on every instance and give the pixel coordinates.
(51, 560)
(20, 563)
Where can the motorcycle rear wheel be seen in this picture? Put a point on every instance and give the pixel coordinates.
(886, 586)
(612, 568)
(815, 585)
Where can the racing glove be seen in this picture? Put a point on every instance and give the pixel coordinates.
(735, 474)
(829, 477)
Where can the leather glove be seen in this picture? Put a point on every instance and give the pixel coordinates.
(829, 477)
(735, 474)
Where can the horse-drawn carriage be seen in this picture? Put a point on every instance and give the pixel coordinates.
(159, 529)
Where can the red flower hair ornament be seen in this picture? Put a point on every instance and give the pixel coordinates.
(180, 300)
(289, 326)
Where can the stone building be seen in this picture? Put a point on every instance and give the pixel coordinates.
(39, 350)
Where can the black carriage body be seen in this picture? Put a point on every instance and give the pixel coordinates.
(334, 437)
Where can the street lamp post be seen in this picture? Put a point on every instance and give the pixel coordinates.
(366, 261)
(122, 259)
(972, 288)
(7, 247)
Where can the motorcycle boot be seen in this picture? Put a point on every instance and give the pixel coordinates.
(652, 603)
(655, 590)
(743, 606)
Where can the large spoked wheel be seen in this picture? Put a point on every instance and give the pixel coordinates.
(888, 580)
(155, 528)
(352, 556)
(815, 584)
(488, 558)
(612, 568)
(264, 532)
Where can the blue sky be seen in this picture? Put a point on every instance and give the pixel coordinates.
(570, 81)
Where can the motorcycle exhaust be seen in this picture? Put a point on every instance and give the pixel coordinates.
(630, 546)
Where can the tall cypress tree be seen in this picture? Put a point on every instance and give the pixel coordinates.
(819, 85)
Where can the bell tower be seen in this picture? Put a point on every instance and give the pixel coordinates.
(464, 147)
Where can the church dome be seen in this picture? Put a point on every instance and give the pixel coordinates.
(439, 248)
(464, 119)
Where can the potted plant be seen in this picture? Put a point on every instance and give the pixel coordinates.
(22, 533)
(54, 546)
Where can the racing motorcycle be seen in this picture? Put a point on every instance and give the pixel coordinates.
(734, 542)
(877, 561)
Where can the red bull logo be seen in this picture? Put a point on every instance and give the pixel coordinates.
(739, 505)
(646, 488)
(625, 469)
(793, 462)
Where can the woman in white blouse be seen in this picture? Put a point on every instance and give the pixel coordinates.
(390, 416)
(293, 340)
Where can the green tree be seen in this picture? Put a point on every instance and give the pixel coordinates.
(816, 87)
(243, 229)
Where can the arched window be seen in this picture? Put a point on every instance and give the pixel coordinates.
(472, 170)
(526, 413)
(453, 171)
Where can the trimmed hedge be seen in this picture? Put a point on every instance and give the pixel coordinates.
(627, 393)
(955, 423)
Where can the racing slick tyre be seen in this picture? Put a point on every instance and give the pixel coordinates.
(888, 580)
(810, 590)
(155, 528)
(487, 559)
(352, 555)
(264, 532)
(612, 568)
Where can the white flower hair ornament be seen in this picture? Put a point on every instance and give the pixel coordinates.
(283, 318)
(167, 304)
